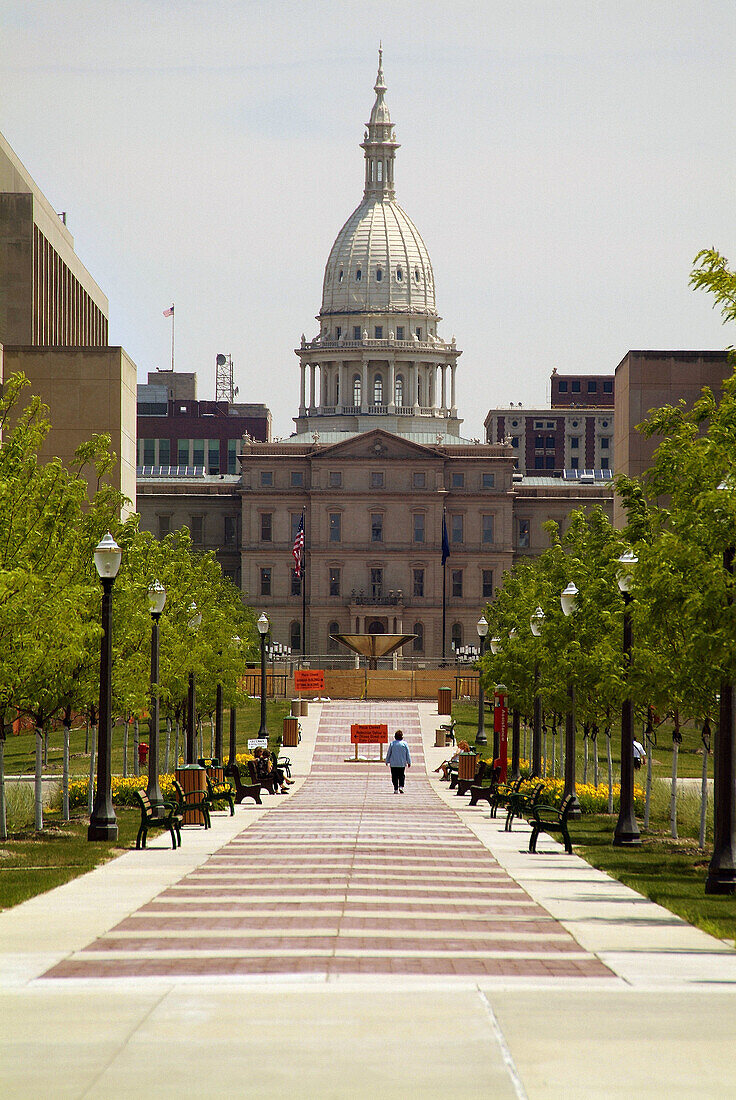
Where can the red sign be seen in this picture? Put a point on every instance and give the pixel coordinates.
(501, 727)
(309, 679)
(368, 735)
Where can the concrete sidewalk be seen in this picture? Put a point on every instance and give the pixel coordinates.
(352, 877)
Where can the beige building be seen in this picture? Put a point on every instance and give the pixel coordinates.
(54, 328)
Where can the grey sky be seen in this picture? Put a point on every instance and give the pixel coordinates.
(563, 161)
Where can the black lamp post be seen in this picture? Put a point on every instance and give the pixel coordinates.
(626, 832)
(722, 867)
(263, 628)
(103, 824)
(495, 644)
(569, 603)
(156, 601)
(480, 737)
(195, 619)
(535, 625)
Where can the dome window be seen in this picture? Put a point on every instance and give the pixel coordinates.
(416, 274)
(358, 275)
(379, 274)
(399, 274)
(340, 276)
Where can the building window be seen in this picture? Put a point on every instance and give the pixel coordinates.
(489, 480)
(198, 452)
(376, 527)
(574, 462)
(399, 279)
(457, 481)
(294, 519)
(164, 452)
(539, 441)
(356, 332)
(358, 275)
(232, 456)
(399, 331)
(266, 478)
(379, 278)
(457, 636)
(605, 440)
(487, 529)
(213, 456)
(514, 443)
(335, 527)
(550, 442)
(575, 388)
(522, 539)
(417, 644)
(149, 451)
(419, 479)
(378, 389)
(604, 464)
(335, 479)
(164, 526)
(196, 529)
(487, 584)
(376, 479)
(266, 581)
(356, 390)
(419, 334)
(549, 462)
(539, 462)
(296, 584)
(295, 636)
(297, 479)
(457, 582)
(608, 385)
(266, 526)
(376, 583)
(231, 530)
(182, 452)
(419, 526)
(338, 331)
(399, 395)
(416, 274)
(332, 643)
(574, 442)
(378, 332)
(418, 582)
(456, 528)
(592, 386)
(562, 387)
(334, 582)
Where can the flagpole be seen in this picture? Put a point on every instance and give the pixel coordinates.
(304, 585)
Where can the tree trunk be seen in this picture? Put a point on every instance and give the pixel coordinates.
(212, 737)
(65, 772)
(554, 746)
(86, 735)
(125, 748)
(676, 741)
(46, 732)
(523, 751)
(705, 736)
(38, 781)
(3, 812)
(609, 761)
(544, 750)
(136, 743)
(92, 755)
(176, 745)
(594, 735)
(586, 730)
(167, 759)
(648, 797)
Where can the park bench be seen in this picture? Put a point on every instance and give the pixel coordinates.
(464, 785)
(220, 792)
(479, 793)
(170, 820)
(243, 790)
(192, 800)
(449, 731)
(268, 782)
(549, 819)
(522, 803)
(502, 793)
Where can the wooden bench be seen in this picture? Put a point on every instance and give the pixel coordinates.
(479, 793)
(502, 794)
(220, 792)
(548, 819)
(521, 803)
(193, 800)
(171, 820)
(268, 783)
(243, 790)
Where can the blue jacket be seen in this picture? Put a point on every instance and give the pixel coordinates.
(398, 754)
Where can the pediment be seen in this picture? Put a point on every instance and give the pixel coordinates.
(374, 444)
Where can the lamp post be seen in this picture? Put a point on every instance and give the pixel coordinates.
(263, 628)
(480, 737)
(721, 877)
(495, 644)
(156, 602)
(195, 619)
(535, 625)
(569, 603)
(626, 832)
(102, 822)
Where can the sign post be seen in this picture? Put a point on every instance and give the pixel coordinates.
(369, 735)
(309, 679)
(501, 727)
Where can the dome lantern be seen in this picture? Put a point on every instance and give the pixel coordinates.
(379, 144)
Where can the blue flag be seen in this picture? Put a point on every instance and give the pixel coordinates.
(445, 541)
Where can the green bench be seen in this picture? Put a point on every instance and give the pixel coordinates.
(548, 819)
(521, 803)
(502, 793)
(243, 790)
(192, 800)
(170, 820)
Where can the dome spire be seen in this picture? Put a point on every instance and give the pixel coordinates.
(379, 143)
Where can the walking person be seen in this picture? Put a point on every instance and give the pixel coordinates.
(398, 758)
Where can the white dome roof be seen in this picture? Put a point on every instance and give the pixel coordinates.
(378, 263)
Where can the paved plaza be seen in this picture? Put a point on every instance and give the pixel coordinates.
(343, 941)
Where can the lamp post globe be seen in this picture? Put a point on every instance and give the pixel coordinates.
(535, 622)
(156, 604)
(102, 822)
(480, 737)
(495, 644)
(264, 626)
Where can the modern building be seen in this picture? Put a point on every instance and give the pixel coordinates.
(54, 327)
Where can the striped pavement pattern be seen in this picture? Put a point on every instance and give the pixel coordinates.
(344, 878)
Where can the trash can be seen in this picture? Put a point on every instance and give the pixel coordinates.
(466, 765)
(191, 777)
(296, 707)
(142, 753)
(444, 701)
(439, 739)
(305, 708)
(290, 738)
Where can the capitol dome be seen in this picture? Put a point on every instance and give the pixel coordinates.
(379, 262)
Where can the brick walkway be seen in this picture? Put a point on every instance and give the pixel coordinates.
(344, 878)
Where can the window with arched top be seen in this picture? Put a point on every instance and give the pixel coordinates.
(295, 636)
(379, 170)
(416, 274)
(457, 635)
(378, 390)
(379, 274)
(399, 395)
(399, 274)
(418, 643)
(356, 389)
(340, 276)
(358, 275)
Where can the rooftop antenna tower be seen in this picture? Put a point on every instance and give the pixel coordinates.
(224, 388)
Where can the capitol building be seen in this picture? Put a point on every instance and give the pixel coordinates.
(376, 460)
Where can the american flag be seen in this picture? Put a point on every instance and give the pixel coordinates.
(169, 312)
(298, 548)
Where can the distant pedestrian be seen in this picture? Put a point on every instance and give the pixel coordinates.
(398, 758)
(640, 755)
